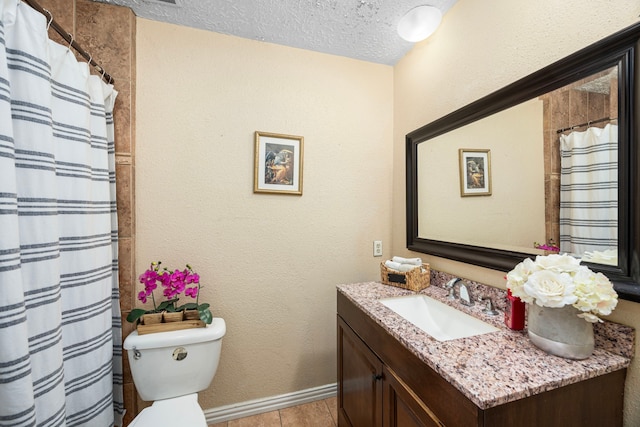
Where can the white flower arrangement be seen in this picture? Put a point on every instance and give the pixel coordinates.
(559, 280)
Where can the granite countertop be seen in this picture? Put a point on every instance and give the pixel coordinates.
(498, 367)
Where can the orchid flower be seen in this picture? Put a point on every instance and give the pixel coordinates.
(173, 284)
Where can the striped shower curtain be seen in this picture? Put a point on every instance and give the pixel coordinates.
(60, 335)
(589, 191)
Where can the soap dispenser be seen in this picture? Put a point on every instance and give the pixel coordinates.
(514, 314)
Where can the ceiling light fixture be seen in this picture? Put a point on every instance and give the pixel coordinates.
(419, 23)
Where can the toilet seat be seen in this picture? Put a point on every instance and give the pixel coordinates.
(177, 411)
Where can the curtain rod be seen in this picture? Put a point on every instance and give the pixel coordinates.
(592, 122)
(69, 39)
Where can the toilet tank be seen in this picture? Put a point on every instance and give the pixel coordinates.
(176, 363)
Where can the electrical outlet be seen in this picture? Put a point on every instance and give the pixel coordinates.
(377, 248)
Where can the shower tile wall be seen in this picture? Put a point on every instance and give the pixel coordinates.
(107, 32)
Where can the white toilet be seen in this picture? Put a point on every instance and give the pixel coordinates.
(170, 368)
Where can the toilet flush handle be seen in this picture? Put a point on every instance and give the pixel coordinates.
(179, 354)
(136, 353)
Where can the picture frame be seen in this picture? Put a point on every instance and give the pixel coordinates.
(278, 163)
(475, 172)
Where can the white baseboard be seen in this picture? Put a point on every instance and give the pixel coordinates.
(268, 404)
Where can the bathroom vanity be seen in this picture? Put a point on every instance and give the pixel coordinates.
(391, 373)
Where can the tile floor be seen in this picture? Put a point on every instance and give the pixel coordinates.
(321, 413)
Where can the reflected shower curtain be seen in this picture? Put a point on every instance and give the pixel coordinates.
(589, 191)
(60, 335)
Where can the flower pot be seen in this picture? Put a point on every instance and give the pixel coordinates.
(559, 331)
(152, 318)
(175, 316)
(191, 315)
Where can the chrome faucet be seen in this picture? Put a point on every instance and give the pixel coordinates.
(490, 308)
(463, 292)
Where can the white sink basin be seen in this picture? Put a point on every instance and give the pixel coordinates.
(437, 319)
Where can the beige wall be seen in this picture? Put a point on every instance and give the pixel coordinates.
(270, 263)
(514, 140)
(477, 50)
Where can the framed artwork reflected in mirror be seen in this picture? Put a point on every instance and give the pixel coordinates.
(475, 172)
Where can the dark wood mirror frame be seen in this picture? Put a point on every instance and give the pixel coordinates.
(620, 49)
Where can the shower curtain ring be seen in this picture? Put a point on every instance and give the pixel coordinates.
(70, 42)
(90, 58)
(50, 18)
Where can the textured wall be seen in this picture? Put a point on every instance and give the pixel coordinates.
(494, 220)
(269, 263)
(476, 51)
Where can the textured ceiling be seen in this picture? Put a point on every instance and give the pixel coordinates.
(360, 29)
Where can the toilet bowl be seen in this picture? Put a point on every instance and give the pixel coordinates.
(170, 368)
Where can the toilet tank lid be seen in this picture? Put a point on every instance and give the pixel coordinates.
(212, 332)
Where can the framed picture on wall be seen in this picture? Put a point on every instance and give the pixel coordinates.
(278, 163)
(475, 172)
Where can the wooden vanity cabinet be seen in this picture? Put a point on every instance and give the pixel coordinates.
(367, 389)
(360, 385)
(382, 384)
(401, 407)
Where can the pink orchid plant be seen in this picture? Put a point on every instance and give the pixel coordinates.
(551, 246)
(173, 283)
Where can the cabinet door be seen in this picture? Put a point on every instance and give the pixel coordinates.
(359, 381)
(402, 408)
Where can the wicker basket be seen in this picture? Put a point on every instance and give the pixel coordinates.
(414, 280)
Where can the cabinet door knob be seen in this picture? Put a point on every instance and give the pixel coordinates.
(377, 377)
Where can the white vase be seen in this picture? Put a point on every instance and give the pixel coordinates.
(559, 331)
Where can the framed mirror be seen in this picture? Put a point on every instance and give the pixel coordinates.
(563, 150)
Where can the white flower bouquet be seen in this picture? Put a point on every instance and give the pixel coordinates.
(559, 280)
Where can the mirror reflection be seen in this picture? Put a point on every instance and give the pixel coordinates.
(554, 167)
